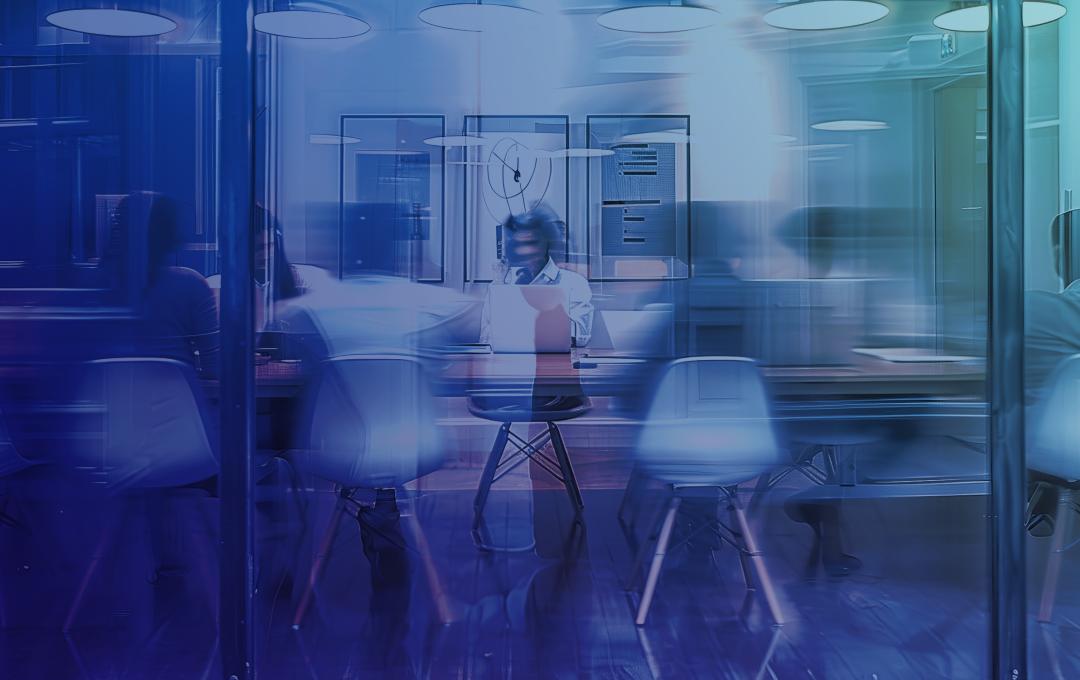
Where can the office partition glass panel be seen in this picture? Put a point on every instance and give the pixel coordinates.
(766, 455)
(521, 161)
(1050, 144)
(108, 447)
(390, 176)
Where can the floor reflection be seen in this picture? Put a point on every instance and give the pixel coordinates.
(404, 592)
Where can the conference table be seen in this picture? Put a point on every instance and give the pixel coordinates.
(896, 398)
(608, 374)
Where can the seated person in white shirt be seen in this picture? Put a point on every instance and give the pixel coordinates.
(530, 239)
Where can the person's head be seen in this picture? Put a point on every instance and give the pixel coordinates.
(532, 237)
(163, 237)
(269, 244)
(719, 236)
(149, 218)
(1062, 236)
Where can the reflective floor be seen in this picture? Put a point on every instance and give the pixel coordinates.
(548, 602)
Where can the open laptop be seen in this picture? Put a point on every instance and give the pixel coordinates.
(529, 319)
(634, 333)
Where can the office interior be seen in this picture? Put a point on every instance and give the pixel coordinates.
(763, 451)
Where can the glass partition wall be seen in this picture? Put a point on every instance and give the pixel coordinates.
(829, 222)
(765, 447)
(108, 230)
(1050, 247)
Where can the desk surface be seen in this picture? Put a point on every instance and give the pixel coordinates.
(604, 374)
(599, 373)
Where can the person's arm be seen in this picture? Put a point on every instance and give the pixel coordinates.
(204, 328)
(581, 311)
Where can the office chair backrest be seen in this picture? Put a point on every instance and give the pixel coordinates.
(154, 427)
(372, 423)
(709, 423)
(1053, 433)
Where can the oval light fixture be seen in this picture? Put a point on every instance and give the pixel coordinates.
(474, 16)
(659, 137)
(579, 152)
(850, 125)
(456, 140)
(119, 23)
(977, 17)
(310, 24)
(322, 138)
(658, 18)
(823, 15)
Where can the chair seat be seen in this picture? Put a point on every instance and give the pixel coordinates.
(706, 475)
(528, 409)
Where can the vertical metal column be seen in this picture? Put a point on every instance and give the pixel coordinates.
(236, 199)
(1006, 340)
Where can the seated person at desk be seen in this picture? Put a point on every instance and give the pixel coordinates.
(1051, 334)
(276, 280)
(529, 241)
(178, 314)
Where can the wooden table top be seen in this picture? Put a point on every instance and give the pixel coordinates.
(600, 373)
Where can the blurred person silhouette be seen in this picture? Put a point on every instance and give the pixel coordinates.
(159, 433)
(530, 239)
(276, 280)
(1051, 334)
(810, 232)
(374, 316)
(717, 298)
(715, 318)
(176, 310)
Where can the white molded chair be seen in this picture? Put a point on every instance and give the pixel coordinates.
(709, 426)
(1053, 458)
(154, 433)
(372, 427)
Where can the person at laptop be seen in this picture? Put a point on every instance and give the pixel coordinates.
(530, 239)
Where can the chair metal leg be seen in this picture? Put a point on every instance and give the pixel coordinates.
(634, 486)
(757, 561)
(747, 569)
(103, 548)
(764, 483)
(321, 557)
(1053, 563)
(438, 593)
(569, 480)
(488, 476)
(657, 562)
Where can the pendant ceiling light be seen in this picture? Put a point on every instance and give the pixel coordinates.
(120, 23)
(456, 140)
(675, 17)
(823, 15)
(976, 18)
(579, 152)
(850, 125)
(676, 136)
(310, 24)
(476, 16)
(324, 138)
